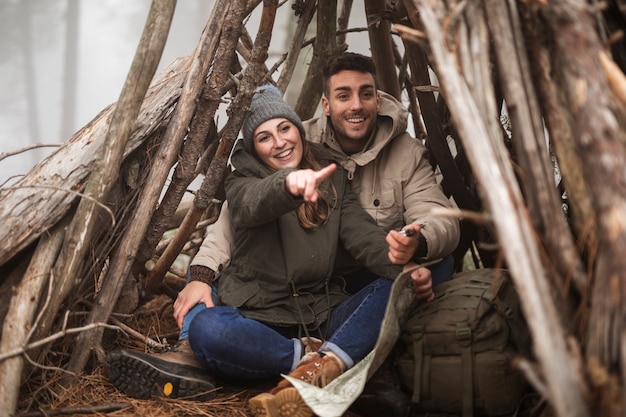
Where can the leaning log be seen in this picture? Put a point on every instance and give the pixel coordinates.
(494, 171)
(39, 200)
(22, 312)
(122, 259)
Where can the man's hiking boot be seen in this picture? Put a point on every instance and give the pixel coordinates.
(176, 373)
(383, 395)
(382, 399)
(284, 400)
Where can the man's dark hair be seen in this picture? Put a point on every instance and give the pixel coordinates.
(347, 61)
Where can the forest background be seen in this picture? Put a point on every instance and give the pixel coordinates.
(63, 61)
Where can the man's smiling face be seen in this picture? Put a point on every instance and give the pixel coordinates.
(352, 105)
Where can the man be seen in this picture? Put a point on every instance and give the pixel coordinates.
(365, 130)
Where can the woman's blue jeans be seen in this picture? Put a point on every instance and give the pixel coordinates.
(233, 345)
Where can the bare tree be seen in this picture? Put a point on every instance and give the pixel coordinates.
(70, 72)
(30, 80)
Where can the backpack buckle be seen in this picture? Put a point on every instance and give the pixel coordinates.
(463, 334)
(418, 332)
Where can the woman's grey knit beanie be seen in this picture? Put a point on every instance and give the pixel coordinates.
(267, 104)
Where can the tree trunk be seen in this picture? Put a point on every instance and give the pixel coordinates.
(559, 125)
(30, 78)
(530, 145)
(600, 141)
(379, 30)
(324, 47)
(70, 71)
(304, 20)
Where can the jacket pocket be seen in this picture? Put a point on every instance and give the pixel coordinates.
(383, 206)
(237, 295)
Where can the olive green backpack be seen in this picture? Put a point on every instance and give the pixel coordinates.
(456, 351)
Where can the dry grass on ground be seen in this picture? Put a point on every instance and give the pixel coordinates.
(95, 395)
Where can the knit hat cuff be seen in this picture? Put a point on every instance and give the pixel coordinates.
(267, 104)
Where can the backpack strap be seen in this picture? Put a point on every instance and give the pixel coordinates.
(418, 359)
(506, 303)
(464, 337)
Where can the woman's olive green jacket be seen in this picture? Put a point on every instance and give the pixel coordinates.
(281, 273)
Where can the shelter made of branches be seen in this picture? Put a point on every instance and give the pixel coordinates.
(521, 104)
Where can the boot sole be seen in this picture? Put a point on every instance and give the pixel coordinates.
(141, 378)
(286, 403)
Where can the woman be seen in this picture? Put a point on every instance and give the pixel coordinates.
(279, 308)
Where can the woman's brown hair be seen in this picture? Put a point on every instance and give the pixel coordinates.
(311, 215)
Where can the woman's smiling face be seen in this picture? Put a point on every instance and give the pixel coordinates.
(278, 144)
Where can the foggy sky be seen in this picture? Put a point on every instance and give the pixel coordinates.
(108, 34)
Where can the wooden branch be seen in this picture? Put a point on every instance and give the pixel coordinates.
(530, 145)
(531, 373)
(252, 75)
(122, 259)
(311, 41)
(184, 173)
(201, 124)
(93, 409)
(245, 48)
(599, 138)
(342, 24)
(414, 108)
(324, 47)
(5, 155)
(614, 76)
(81, 195)
(379, 31)
(22, 312)
(490, 161)
(27, 212)
(81, 229)
(145, 339)
(304, 20)
(436, 141)
(559, 125)
(56, 336)
(206, 111)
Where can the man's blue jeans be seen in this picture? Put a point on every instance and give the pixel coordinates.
(442, 271)
(231, 344)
